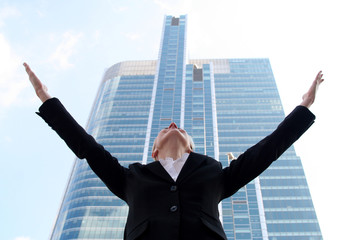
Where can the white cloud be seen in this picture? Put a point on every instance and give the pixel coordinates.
(119, 9)
(8, 12)
(12, 80)
(65, 50)
(167, 5)
(132, 36)
(40, 13)
(22, 238)
(95, 38)
(96, 35)
(114, 6)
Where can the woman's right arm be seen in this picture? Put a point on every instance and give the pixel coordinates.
(78, 140)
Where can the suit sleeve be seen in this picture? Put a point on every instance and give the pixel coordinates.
(84, 145)
(259, 157)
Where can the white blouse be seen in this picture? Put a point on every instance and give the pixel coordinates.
(174, 167)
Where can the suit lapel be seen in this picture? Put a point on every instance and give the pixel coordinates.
(156, 168)
(192, 163)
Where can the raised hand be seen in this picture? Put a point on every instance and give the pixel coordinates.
(309, 96)
(40, 89)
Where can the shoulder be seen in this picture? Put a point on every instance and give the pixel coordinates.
(203, 158)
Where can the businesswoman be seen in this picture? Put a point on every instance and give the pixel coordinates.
(177, 195)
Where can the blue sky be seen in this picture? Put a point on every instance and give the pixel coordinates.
(69, 44)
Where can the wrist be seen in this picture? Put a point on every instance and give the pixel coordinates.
(43, 95)
(307, 103)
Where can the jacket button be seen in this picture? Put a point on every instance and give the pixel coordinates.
(173, 209)
(173, 188)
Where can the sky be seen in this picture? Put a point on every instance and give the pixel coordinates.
(69, 45)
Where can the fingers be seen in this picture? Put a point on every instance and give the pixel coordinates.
(27, 68)
(32, 77)
(319, 78)
(40, 89)
(35, 82)
(29, 71)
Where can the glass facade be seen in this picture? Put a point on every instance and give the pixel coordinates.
(226, 105)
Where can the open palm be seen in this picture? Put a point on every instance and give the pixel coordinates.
(40, 89)
(309, 96)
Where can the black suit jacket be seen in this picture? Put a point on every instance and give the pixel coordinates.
(161, 208)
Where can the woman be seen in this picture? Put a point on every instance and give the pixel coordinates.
(177, 196)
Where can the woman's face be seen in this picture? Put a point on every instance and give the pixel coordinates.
(172, 134)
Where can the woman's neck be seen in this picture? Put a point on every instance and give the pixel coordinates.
(172, 150)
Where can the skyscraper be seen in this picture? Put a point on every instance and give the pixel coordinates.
(226, 105)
